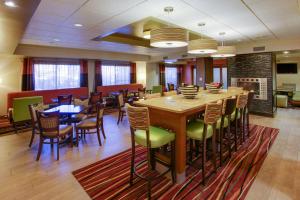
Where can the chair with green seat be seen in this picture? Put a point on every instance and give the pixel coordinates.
(157, 89)
(239, 119)
(203, 130)
(225, 122)
(20, 111)
(249, 101)
(152, 138)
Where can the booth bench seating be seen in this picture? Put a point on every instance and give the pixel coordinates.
(47, 94)
(17, 102)
(106, 90)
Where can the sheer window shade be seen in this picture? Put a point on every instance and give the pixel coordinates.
(56, 76)
(171, 75)
(115, 74)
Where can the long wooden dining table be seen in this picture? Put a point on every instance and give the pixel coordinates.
(172, 112)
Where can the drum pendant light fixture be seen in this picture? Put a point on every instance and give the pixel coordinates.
(168, 37)
(224, 51)
(202, 45)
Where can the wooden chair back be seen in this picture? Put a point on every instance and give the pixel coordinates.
(95, 97)
(121, 100)
(64, 99)
(32, 111)
(242, 101)
(49, 123)
(138, 117)
(171, 86)
(229, 106)
(212, 113)
(100, 111)
(141, 93)
(250, 98)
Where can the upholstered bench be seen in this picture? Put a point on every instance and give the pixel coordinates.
(282, 101)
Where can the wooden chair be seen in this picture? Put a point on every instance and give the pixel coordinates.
(81, 116)
(33, 108)
(171, 87)
(95, 97)
(64, 99)
(238, 116)
(152, 138)
(50, 129)
(249, 101)
(202, 130)
(141, 93)
(92, 123)
(121, 105)
(225, 122)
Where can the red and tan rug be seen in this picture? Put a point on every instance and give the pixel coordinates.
(109, 178)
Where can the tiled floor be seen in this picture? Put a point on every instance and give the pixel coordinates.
(21, 177)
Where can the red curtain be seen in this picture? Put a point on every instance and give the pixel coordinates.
(162, 75)
(83, 73)
(27, 75)
(98, 74)
(132, 72)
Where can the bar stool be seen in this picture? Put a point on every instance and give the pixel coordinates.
(225, 122)
(239, 117)
(200, 130)
(249, 101)
(152, 138)
(121, 105)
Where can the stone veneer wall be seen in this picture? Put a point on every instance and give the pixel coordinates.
(256, 65)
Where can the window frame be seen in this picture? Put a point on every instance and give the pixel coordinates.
(56, 65)
(117, 66)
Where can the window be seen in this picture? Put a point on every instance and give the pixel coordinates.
(171, 75)
(220, 75)
(217, 73)
(115, 74)
(56, 76)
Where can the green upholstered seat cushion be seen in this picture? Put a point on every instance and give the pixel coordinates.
(195, 130)
(158, 137)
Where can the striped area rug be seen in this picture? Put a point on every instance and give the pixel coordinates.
(109, 178)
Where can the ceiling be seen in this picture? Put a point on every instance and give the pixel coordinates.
(242, 20)
(13, 21)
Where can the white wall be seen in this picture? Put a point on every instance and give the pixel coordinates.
(91, 75)
(10, 78)
(289, 78)
(141, 76)
(152, 70)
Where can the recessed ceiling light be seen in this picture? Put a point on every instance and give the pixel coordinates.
(56, 40)
(78, 25)
(10, 4)
(286, 52)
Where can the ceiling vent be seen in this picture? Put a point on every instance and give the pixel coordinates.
(263, 48)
